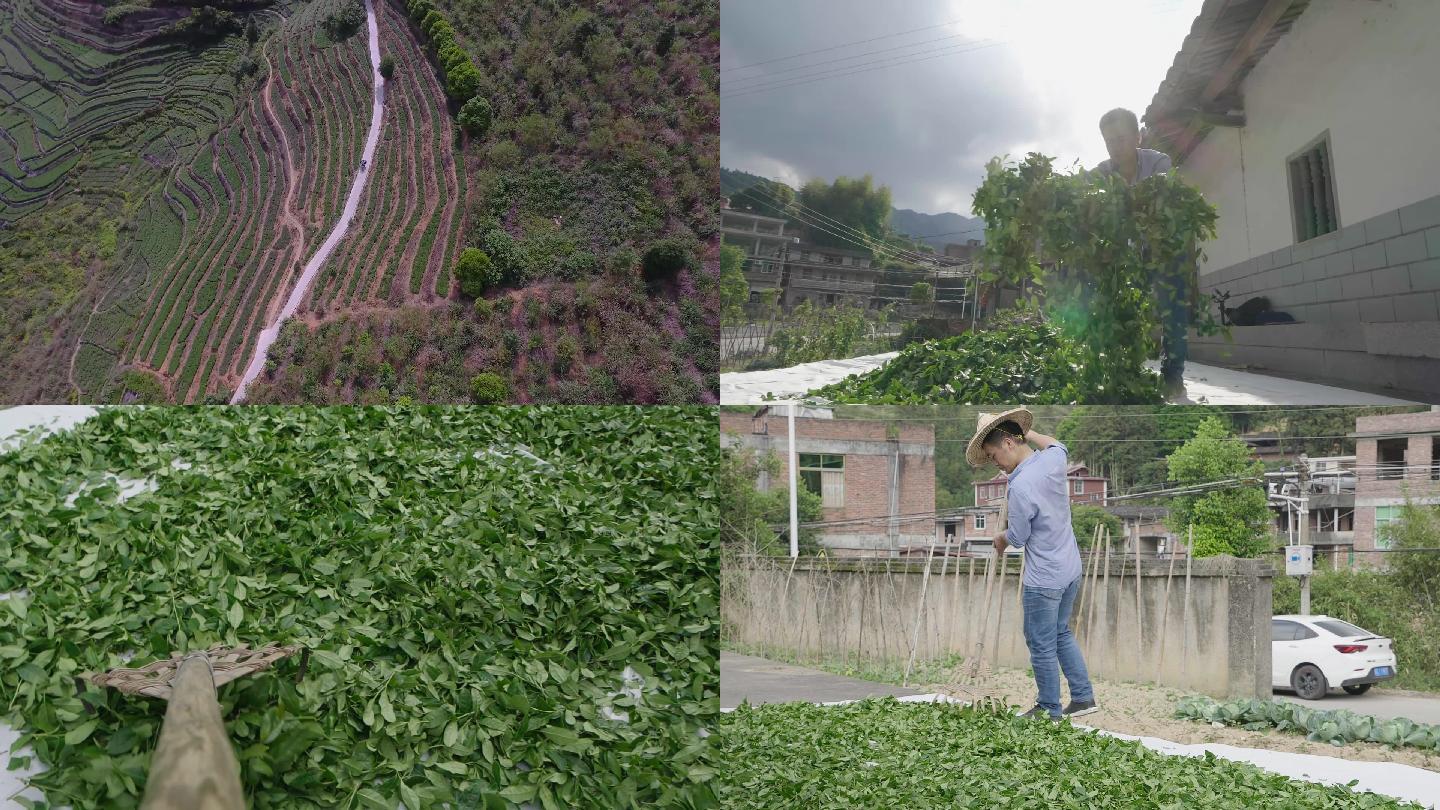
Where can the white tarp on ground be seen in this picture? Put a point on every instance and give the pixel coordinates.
(1404, 782)
(1208, 385)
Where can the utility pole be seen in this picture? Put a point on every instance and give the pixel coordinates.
(794, 476)
(1304, 529)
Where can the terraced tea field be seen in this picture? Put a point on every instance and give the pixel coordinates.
(220, 187)
(172, 184)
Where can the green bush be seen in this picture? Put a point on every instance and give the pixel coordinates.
(504, 154)
(475, 116)
(387, 66)
(666, 258)
(567, 351)
(489, 389)
(475, 272)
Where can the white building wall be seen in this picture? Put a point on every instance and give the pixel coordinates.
(1366, 70)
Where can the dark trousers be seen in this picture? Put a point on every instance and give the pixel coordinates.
(1175, 322)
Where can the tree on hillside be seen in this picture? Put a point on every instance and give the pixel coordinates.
(387, 66)
(1234, 520)
(855, 204)
(489, 389)
(734, 289)
(666, 258)
(346, 20)
(475, 116)
(252, 31)
(475, 272)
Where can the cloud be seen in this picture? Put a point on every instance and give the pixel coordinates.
(1034, 75)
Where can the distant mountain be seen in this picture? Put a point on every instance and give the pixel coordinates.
(938, 229)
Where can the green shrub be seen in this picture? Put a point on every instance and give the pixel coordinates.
(567, 351)
(504, 154)
(666, 258)
(489, 389)
(475, 116)
(387, 66)
(476, 272)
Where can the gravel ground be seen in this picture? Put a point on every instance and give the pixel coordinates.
(1149, 711)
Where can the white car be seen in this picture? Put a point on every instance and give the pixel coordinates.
(1314, 654)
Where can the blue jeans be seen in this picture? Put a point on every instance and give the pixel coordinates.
(1047, 634)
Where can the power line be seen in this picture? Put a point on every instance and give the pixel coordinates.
(841, 45)
(914, 257)
(764, 76)
(883, 252)
(862, 68)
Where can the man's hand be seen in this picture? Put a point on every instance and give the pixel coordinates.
(1000, 543)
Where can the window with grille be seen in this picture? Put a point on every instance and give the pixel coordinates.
(1079, 487)
(1391, 455)
(1312, 191)
(979, 522)
(824, 474)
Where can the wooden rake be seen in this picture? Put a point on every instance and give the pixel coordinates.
(194, 766)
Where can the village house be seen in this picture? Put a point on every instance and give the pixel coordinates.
(1397, 457)
(764, 241)
(1309, 124)
(876, 480)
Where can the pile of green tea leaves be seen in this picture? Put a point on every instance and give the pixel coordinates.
(884, 753)
(471, 584)
(1318, 725)
(1022, 358)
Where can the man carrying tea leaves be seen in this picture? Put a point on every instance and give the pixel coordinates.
(1037, 520)
(1121, 131)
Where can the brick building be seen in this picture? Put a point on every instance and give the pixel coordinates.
(876, 480)
(1084, 487)
(974, 527)
(1396, 456)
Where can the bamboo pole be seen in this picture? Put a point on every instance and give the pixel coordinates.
(1000, 566)
(194, 766)
(1019, 602)
(1105, 589)
(1185, 632)
(1165, 616)
(1139, 617)
(1086, 597)
(919, 615)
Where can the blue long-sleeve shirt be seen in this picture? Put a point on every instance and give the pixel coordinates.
(1038, 515)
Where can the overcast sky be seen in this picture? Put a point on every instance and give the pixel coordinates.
(997, 77)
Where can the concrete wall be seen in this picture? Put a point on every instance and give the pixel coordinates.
(869, 609)
(1367, 298)
(1365, 72)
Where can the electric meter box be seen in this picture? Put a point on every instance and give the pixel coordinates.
(1299, 560)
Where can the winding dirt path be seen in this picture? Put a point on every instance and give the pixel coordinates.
(312, 268)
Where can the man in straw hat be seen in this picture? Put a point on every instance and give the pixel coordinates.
(1037, 520)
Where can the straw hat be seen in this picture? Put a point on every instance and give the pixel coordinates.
(988, 422)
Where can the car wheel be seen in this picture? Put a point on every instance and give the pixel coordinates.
(1309, 682)
(1359, 688)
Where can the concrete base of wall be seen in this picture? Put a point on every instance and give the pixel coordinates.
(1363, 356)
(1367, 302)
(1217, 641)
